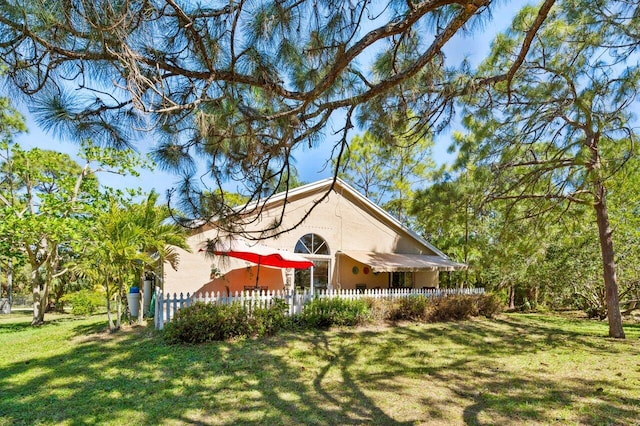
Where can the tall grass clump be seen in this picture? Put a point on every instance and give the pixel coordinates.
(414, 308)
(489, 305)
(454, 308)
(330, 312)
(425, 309)
(380, 309)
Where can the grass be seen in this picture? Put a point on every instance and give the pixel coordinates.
(517, 369)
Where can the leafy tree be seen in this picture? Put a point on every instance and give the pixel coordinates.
(114, 256)
(554, 262)
(569, 273)
(500, 250)
(127, 239)
(624, 196)
(242, 84)
(558, 131)
(449, 214)
(388, 168)
(161, 236)
(11, 123)
(48, 207)
(363, 166)
(43, 213)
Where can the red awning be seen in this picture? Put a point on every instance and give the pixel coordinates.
(257, 253)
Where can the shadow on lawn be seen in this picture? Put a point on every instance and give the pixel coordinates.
(134, 377)
(490, 391)
(22, 321)
(313, 378)
(13, 327)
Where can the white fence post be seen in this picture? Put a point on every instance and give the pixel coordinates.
(158, 317)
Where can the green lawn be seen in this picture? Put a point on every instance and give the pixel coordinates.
(518, 369)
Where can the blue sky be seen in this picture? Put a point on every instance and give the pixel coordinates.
(311, 163)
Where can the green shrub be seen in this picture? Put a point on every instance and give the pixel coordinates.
(453, 308)
(84, 302)
(207, 322)
(329, 312)
(210, 322)
(489, 305)
(271, 320)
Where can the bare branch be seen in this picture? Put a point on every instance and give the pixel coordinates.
(543, 12)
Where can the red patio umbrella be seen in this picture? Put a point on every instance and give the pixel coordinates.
(257, 253)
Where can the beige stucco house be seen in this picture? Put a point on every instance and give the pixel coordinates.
(353, 244)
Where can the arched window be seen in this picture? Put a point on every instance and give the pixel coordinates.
(312, 244)
(316, 249)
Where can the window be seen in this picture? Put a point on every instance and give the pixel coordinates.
(315, 248)
(319, 274)
(312, 244)
(401, 280)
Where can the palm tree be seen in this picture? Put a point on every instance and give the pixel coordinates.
(127, 240)
(114, 255)
(160, 237)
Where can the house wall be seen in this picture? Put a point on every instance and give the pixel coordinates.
(345, 222)
(426, 279)
(236, 280)
(193, 269)
(347, 279)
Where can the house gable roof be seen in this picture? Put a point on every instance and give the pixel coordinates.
(322, 188)
(340, 187)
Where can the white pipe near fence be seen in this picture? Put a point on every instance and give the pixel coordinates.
(167, 305)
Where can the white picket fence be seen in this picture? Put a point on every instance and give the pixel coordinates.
(167, 305)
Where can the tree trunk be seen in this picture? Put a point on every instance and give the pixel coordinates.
(140, 301)
(119, 311)
(112, 326)
(466, 239)
(608, 262)
(512, 297)
(36, 305)
(10, 283)
(40, 296)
